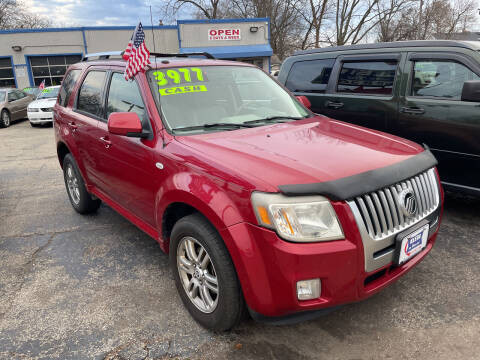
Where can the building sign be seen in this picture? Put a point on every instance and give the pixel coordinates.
(223, 34)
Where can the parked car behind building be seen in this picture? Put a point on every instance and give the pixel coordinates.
(425, 91)
(13, 105)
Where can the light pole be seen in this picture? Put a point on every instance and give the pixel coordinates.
(419, 27)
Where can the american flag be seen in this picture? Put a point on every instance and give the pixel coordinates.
(42, 85)
(136, 53)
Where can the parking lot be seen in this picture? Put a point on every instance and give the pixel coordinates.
(96, 287)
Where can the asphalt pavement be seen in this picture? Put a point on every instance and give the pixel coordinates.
(96, 287)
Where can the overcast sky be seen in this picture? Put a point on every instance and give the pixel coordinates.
(97, 12)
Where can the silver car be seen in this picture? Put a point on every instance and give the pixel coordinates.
(13, 105)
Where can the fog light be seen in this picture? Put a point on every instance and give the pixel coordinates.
(308, 289)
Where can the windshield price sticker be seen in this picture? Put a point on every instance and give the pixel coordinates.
(183, 76)
(46, 90)
(182, 89)
(179, 76)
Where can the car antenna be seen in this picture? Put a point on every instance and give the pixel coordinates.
(158, 86)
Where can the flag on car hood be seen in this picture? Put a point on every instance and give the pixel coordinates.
(42, 85)
(136, 53)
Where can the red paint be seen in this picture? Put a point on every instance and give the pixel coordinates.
(216, 173)
(124, 123)
(304, 100)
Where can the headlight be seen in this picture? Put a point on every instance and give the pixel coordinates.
(298, 218)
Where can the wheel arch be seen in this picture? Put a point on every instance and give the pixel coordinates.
(180, 201)
(62, 151)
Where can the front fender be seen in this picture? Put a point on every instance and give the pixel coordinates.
(208, 196)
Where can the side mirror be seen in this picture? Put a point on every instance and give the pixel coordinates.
(125, 124)
(471, 91)
(304, 100)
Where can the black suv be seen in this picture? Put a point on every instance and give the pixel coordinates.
(425, 91)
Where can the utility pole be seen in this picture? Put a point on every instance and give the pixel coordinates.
(419, 28)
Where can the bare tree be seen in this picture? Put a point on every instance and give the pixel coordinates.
(15, 15)
(354, 19)
(426, 19)
(286, 23)
(389, 28)
(314, 13)
(207, 9)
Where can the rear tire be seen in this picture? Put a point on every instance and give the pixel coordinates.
(210, 268)
(79, 197)
(5, 119)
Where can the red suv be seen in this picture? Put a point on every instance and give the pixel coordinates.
(261, 204)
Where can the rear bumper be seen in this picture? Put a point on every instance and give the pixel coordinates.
(269, 268)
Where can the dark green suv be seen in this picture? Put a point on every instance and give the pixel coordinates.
(425, 91)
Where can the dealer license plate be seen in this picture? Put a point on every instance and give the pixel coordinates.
(412, 244)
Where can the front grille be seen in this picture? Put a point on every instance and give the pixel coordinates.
(47, 109)
(381, 212)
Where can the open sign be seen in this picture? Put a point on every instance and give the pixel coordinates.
(224, 34)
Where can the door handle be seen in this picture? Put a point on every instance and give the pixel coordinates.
(106, 142)
(72, 126)
(412, 110)
(334, 105)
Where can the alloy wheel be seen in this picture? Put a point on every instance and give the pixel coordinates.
(72, 184)
(197, 274)
(6, 119)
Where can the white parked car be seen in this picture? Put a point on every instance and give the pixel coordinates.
(40, 111)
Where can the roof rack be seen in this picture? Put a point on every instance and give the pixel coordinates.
(107, 54)
(102, 55)
(184, 55)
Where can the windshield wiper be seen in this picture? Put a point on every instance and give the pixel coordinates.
(274, 118)
(214, 125)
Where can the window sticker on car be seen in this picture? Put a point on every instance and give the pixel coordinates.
(46, 90)
(182, 89)
(179, 76)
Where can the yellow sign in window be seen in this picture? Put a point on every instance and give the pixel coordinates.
(182, 89)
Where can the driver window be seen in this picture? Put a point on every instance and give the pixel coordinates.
(442, 79)
(124, 96)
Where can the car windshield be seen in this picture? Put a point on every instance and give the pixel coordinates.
(212, 98)
(2, 96)
(48, 93)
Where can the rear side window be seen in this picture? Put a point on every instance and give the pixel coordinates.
(440, 78)
(68, 84)
(310, 76)
(367, 77)
(12, 96)
(20, 94)
(90, 95)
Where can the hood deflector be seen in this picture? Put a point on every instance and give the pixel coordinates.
(366, 182)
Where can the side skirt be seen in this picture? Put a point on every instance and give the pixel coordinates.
(148, 229)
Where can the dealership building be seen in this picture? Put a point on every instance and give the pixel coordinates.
(29, 56)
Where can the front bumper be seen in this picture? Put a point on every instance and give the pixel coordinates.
(40, 116)
(269, 268)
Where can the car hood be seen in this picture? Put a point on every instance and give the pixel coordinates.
(43, 103)
(313, 150)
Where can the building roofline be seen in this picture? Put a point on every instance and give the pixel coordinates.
(219, 21)
(132, 27)
(397, 44)
(83, 28)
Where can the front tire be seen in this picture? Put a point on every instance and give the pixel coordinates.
(33, 125)
(5, 119)
(204, 274)
(79, 197)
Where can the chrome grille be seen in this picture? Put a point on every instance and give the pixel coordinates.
(381, 212)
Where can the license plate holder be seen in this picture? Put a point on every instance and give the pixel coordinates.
(411, 242)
